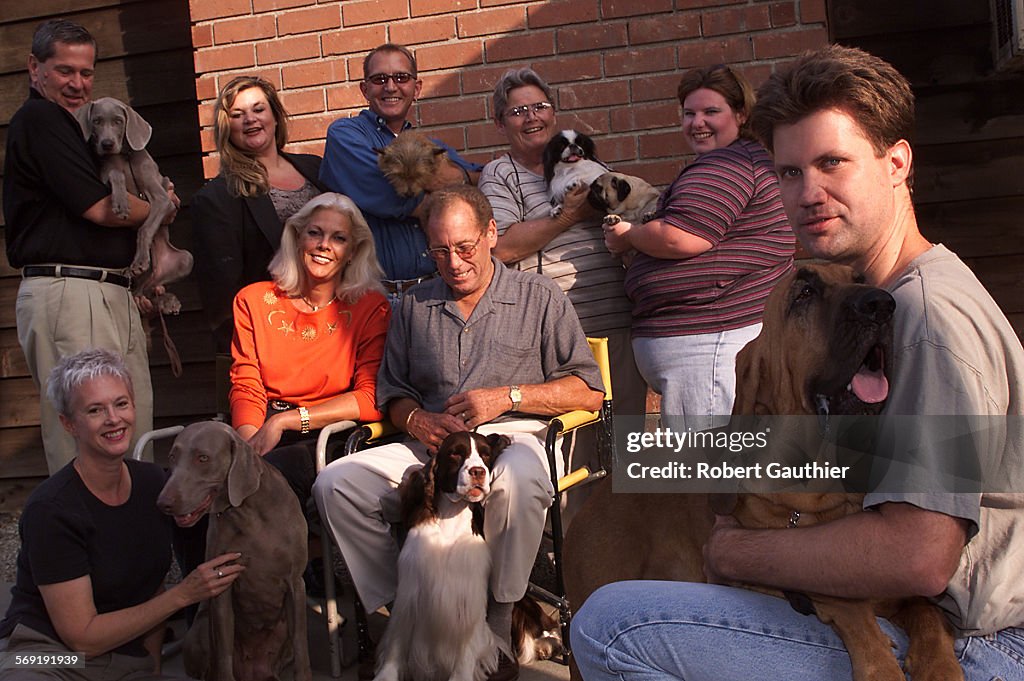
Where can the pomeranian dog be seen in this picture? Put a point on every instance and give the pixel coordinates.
(414, 164)
(570, 161)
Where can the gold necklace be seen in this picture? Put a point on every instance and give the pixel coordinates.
(316, 308)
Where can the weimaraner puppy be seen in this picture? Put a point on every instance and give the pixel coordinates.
(119, 135)
(251, 631)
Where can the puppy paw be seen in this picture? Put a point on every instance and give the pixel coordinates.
(119, 204)
(140, 264)
(612, 219)
(647, 217)
(556, 210)
(168, 303)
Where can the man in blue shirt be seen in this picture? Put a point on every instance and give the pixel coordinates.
(390, 86)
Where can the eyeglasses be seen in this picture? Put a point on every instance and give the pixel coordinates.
(538, 108)
(465, 250)
(400, 78)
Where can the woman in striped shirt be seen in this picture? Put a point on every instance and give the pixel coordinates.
(705, 265)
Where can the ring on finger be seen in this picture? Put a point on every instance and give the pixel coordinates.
(220, 574)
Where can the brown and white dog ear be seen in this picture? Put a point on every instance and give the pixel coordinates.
(244, 473)
(84, 118)
(497, 443)
(136, 130)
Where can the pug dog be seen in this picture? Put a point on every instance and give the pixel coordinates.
(570, 161)
(623, 197)
(414, 164)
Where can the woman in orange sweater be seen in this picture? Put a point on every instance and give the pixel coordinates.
(308, 344)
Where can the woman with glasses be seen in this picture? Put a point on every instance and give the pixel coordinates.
(238, 216)
(569, 249)
(706, 264)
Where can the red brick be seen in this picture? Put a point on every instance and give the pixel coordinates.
(658, 172)
(459, 54)
(206, 87)
(783, 14)
(203, 10)
(593, 122)
(592, 37)
(663, 144)
(357, 12)
(691, 5)
(206, 114)
(207, 140)
(349, 40)
(420, 8)
(311, 147)
(491, 21)
(347, 96)
(645, 116)
(441, 85)
(723, 51)
(223, 58)
(813, 11)
(642, 60)
(211, 166)
(662, 28)
(563, 13)
(481, 157)
(288, 49)
(268, 73)
(246, 29)
(309, 127)
(482, 79)
(611, 9)
(202, 36)
(271, 5)
(788, 43)
(495, 3)
(308, 20)
(756, 74)
(520, 46)
(484, 135)
(570, 69)
(661, 87)
(735, 20)
(612, 149)
(303, 102)
(454, 137)
(445, 111)
(426, 30)
(606, 93)
(318, 72)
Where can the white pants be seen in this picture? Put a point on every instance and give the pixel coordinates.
(356, 496)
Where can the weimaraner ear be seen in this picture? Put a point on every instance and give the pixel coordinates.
(244, 473)
(136, 130)
(84, 117)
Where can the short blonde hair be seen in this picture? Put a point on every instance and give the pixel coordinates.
(362, 274)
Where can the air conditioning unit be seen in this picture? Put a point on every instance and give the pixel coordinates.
(1008, 34)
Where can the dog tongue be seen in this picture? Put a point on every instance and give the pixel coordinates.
(870, 386)
(572, 159)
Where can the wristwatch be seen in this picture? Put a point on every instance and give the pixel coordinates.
(515, 395)
(303, 420)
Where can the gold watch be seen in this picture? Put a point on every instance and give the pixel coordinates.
(515, 395)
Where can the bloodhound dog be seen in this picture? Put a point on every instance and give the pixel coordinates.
(825, 350)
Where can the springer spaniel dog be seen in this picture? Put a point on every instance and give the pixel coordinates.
(438, 627)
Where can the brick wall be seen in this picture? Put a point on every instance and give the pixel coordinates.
(614, 64)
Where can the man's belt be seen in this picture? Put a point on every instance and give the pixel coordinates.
(399, 286)
(106, 276)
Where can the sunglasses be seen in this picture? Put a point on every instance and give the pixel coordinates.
(465, 250)
(537, 108)
(400, 78)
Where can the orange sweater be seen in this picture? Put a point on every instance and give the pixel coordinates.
(304, 358)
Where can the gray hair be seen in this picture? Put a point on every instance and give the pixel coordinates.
(512, 79)
(389, 47)
(53, 31)
(363, 273)
(72, 371)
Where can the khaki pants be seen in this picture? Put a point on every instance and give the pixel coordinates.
(59, 316)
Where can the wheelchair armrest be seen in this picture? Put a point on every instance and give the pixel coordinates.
(325, 435)
(367, 433)
(572, 420)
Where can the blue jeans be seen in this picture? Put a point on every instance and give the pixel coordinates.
(696, 632)
(695, 375)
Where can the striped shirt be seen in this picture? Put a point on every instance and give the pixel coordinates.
(729, 197)
(576, 260)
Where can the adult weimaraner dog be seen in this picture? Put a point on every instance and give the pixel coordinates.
(252, 630)
(118, 136)
(824, 349)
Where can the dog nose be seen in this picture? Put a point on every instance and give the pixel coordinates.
(478, 472)
(107, 145)
(874, 304)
